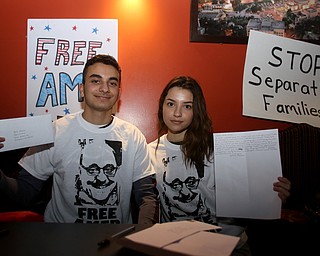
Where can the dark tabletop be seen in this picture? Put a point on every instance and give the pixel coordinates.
(45, 239)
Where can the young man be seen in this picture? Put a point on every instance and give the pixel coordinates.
(96, 160)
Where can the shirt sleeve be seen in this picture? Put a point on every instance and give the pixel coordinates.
(146, 196)
(21, 190)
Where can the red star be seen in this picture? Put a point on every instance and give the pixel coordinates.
(108, 39)
(74, 28)
(31, 28)
(47, 110)
(46, 68)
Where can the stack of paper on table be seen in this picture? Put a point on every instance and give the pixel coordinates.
(181, 238)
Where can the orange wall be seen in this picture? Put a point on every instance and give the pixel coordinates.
(153, 47)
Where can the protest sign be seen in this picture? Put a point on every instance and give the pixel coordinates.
(57, 51)
(282, 79)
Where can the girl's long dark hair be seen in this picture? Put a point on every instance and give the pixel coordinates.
(197, 143)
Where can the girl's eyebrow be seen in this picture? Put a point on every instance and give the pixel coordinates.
(185, 102)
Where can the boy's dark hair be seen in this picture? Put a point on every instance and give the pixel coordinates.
(101, 58)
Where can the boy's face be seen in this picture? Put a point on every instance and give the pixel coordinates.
(102, 87)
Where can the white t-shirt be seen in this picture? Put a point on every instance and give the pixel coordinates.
(183, 193)
(93, 169)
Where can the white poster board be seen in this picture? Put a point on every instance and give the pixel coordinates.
(282, 79)
(246, 166)
(57, 51)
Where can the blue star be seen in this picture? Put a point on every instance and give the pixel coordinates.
(31, 114)
(34, 77)
(47, 28)
(95, 30)
(66, 111)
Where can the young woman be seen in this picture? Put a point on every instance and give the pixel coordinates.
(183, 159)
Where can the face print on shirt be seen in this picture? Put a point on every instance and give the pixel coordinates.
(183, 191)
(181, 194)
(98, 166)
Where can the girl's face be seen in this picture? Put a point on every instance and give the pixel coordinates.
(178, 112)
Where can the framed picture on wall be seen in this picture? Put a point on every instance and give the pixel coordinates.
(230, 21)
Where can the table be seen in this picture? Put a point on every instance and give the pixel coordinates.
(59, 239)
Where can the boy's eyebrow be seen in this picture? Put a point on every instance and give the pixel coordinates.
(110, 78)
(95, 75)
(114, 78)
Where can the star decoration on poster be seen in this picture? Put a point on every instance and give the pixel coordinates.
(47, 28)
(95, 30)
(66, 111)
